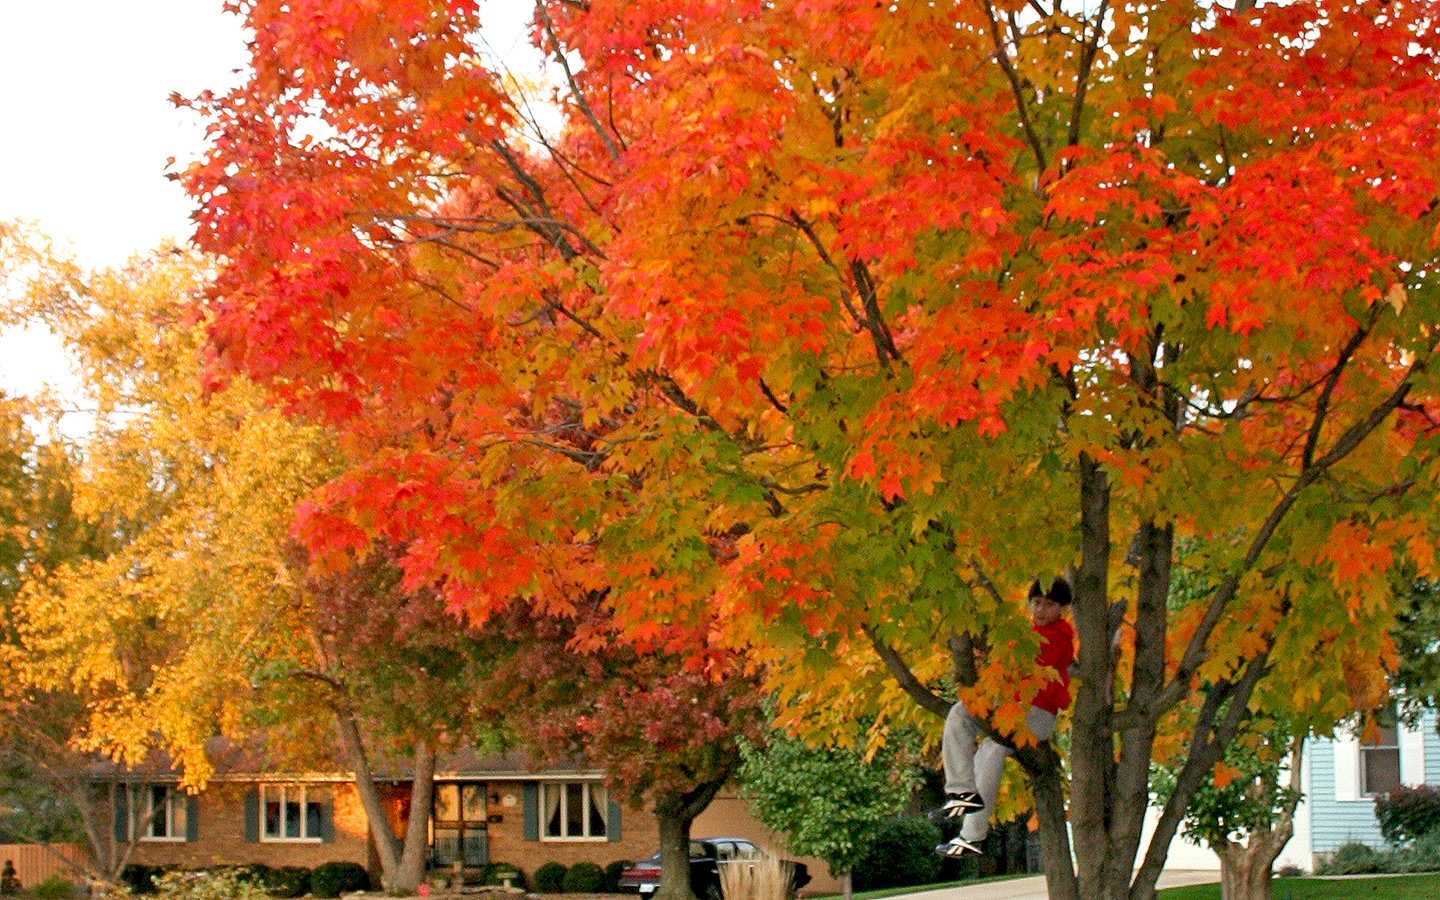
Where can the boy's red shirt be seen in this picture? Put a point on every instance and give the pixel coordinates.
(1057, 650)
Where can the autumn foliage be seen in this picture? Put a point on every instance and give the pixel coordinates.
(843, 319)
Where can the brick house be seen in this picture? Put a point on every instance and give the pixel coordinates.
(486, 809)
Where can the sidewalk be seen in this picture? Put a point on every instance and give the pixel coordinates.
(1033, 887)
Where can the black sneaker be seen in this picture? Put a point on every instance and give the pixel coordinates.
(957, 805)
(957, 847)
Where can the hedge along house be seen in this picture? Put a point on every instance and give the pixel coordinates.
(485, 810)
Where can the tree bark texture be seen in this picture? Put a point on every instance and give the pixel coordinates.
(675, 811)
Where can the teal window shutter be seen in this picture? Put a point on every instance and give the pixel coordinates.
(252, 815)
(122, 814)
(192, 817)
(327, 821)
(612, 822)
(532, 811)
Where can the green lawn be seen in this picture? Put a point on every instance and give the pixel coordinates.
(1392, 887)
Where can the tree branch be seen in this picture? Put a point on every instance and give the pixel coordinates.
(575, 88)
(911, 685)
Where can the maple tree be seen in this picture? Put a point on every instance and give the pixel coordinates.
(845, 319)
(667, 735)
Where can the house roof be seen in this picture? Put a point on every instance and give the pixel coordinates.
(252, 760)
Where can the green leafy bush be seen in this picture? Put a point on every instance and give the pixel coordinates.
(612, 876)
(335, 878)
(902, 854)
(54, 888)
(1353, 858)
(1408, 813)
(584, 878)
(1423, 855)
(286, 881)
(550, 878)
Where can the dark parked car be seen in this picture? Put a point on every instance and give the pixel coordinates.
(706, 858)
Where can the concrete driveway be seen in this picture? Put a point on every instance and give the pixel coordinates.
(1033, 887)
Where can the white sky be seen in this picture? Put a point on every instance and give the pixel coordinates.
(88, 127)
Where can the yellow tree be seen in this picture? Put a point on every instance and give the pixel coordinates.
(205, 614)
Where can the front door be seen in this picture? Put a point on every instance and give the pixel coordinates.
(457, 824)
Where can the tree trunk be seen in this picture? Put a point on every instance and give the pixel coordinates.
(674, 813)
(1047, 785)
(845, 885)
(415, 853)
(386, 846)
(1092, 755)
(1245, 869)
(402, 862)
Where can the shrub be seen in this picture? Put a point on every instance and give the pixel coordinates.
(493, 875)
(139, 878)
(1353, 858)
(1423, 854)
(286, 881)
(1408, 813)
(584, 878)
(231, 883)
(612, 876)
(335, 878)
(550, 878)
(255, 873)
(54, 888)
(902, 854)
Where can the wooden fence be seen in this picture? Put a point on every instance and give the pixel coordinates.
(34, 863)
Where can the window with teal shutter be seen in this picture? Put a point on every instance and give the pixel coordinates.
(532, 811)
(192, 817)
(122, 814)
(252, 815)
(612, 815)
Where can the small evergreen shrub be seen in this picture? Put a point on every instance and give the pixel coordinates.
(286, 881)
(54, 888)
(1353, 858)
(902, 855)
(584, 878)
(550, 878)
(611, 884)
(332, 879)
(1408, 813)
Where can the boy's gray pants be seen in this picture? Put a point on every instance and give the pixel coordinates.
(968, 769)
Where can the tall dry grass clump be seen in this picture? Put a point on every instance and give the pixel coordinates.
(763, 878)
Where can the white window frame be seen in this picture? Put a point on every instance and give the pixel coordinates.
(284, 793)
(587, 795)
(173, 798)
(1365, 750)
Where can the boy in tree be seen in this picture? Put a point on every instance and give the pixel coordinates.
(972, 778)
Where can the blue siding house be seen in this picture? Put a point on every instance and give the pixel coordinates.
(1342, 776)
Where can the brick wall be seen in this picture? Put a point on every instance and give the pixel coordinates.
(639, 837)
(221, 835)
